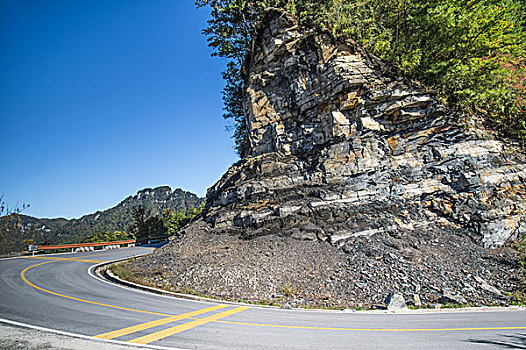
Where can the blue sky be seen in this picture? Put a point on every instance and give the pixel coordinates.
(99, 99)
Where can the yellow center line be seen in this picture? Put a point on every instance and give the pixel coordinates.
(23, 276)
(372, 329)
(97, 253)
(147, 325)
(183, 327)
(62, 259)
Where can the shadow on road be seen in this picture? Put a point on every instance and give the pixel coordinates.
(154, 245)
(516, 341)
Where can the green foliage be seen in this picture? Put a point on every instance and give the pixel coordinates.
(229, 33)
(145, 225)
(518, 297)
(174, 221)
(521, 248)
(169, 222)
(287, 290)
(108, 236)
(473, 52)
(12, 234)
(233, 101)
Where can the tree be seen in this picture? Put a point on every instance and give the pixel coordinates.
(144, 226)
(472, 52)
(108, 236)
(174, 221)
(230, 33)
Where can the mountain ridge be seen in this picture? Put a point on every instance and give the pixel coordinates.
(116, 218)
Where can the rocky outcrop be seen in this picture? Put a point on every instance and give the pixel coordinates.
(333, 140)
(376, 171)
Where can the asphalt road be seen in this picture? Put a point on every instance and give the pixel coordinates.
(58, 292)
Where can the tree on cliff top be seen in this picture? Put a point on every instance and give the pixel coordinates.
(473, 52)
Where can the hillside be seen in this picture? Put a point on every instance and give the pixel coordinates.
(117, 218)
(355, 183)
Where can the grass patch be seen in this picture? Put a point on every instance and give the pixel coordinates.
(521, 248)
(313, 307)
(122, 271)
(287, 290)
(519, 298)
(454, 306)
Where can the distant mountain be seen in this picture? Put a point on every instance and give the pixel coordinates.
(117, 218)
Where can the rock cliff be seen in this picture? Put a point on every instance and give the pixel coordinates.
(357, 184)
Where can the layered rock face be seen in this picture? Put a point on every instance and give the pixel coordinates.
(330, 135)
(356, 185)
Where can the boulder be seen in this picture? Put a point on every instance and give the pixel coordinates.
(395, 302)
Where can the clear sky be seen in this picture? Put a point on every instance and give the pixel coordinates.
(99, 99)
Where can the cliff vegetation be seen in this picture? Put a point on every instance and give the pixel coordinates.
(472, 52)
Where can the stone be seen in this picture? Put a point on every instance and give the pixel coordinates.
(395, 302)
(486, 286)
(424, 159)
(370, 123)
(448, 297)
(286, 306)
(296, 233)
(416, 300)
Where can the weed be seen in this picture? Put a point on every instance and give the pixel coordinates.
(519, 298)
(453, 306)
(521, 248)
(287, 290)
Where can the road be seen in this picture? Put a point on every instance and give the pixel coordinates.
(58, 292)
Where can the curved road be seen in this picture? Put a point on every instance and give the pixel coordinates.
(58, 292)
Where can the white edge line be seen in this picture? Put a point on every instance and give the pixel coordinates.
(179, 296)
(185, 297)
(164, 294)
(50, 255)
(86, 337)
(196, 299)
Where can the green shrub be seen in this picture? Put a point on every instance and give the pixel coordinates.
(472, 52)
(108, 236)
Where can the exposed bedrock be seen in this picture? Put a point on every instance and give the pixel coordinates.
(372, 180)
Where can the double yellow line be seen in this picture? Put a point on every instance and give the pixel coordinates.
(24, 278)
(52, 258)
(144, 326)
(173, 330)
(215, 318)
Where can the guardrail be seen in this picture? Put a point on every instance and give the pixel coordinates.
(141, 241)
(79, 245)
(152, 240)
